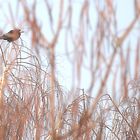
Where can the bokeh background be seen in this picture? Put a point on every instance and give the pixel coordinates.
(72, 53)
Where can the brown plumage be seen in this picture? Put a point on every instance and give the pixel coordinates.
(12, 35)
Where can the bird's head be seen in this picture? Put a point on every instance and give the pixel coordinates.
(18, 30)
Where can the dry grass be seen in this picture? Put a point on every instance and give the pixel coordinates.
(25, 111)
(34, 105)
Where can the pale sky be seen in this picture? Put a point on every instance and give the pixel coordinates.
(124, 17)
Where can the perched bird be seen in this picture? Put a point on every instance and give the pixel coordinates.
(12, 35)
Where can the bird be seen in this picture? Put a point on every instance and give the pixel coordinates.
(12, 35)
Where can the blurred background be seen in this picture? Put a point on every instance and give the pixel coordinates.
(70, 50)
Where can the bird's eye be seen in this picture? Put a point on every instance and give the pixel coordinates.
(11, 31)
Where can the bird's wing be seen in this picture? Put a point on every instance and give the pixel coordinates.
(9, 34)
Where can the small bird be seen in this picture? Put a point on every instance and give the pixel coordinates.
(12, 35)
